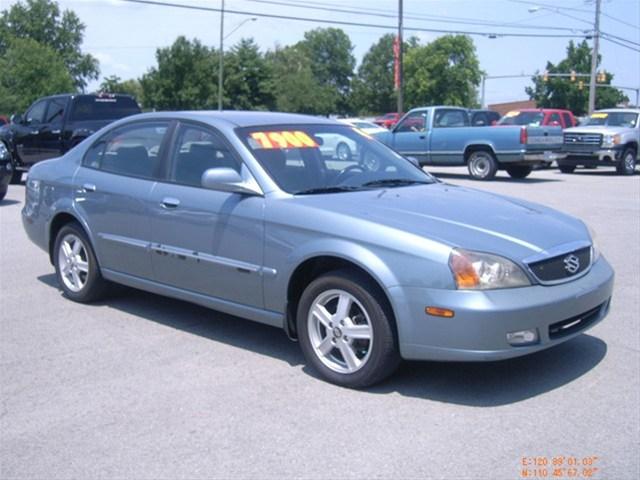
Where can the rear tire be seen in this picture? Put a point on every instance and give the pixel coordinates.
(345, 332)
(627, 164)
(482, 165)
(76, 266)
(16, 177)
(3, 192)
(567, 168)
(519, 171)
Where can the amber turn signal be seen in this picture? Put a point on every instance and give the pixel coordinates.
(439, 312)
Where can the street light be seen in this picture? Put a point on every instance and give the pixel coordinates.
(221, 59)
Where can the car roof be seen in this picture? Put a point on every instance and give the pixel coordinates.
(242, 118)
(541, 110)
(621, 110)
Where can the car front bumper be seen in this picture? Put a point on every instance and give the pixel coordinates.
(478, 331)
(605, 156)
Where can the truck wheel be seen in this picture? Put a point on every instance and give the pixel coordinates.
(16, 177)
(3, 193)
(482, 165)
(519, 171)
(345, 332)
(627, 164)
(567, 168)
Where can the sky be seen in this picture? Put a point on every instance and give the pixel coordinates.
(124, 36)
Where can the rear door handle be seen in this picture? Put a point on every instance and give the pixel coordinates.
(89, 187)
(170, 202)
(55, 132)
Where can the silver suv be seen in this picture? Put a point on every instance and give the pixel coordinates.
(608, 138)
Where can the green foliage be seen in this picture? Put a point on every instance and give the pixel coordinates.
(248, 81)
(185, 78)
(29, 70)
(114, 84)
(443, 72)
(561, 92)
(296, 89)
(42, 22)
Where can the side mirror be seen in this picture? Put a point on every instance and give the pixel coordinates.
(227, 180)
(16, 119)
(414, 160)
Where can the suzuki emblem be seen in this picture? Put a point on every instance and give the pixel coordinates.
(571, 263)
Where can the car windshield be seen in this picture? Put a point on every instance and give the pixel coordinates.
(522, 118)
(613, 119)
(308, 159)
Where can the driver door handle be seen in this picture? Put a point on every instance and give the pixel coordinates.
(89, 187)
(169, 202)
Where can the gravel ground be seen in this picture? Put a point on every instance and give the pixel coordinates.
(141, 386)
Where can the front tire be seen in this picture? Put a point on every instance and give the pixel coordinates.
(519, 171)
(76, 265)
(627, 164)
(482, 165)
(345, 333)
(3, 192)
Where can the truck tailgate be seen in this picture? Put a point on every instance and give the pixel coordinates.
(541, 139)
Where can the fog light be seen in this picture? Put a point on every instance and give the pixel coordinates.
(522, 337)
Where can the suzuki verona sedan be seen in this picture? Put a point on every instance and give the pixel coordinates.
(365, 261)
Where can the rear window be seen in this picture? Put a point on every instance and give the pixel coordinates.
(103, 108)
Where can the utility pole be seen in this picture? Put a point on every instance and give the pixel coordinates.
(221, 60)
(400, 53)
(594, 60)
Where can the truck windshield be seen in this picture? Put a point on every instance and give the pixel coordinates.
(87, 108)
(613, 119)
(314, 159)
(522, 118)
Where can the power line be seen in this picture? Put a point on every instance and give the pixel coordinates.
(606, 37)
(349, 23)
(621, 39)
(620, 21)
(547, 5)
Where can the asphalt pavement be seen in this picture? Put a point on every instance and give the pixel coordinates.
(141, 386)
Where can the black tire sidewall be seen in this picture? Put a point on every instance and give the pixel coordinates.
(519, 171)
(94, 287)
(567, 168)
(384, 356)
(622, 167)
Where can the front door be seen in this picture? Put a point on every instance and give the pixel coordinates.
(205, 241)
(410, 136)
(27, 134)
(113, 189)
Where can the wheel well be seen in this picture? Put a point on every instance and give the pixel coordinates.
(311, 269)
(633, 145)
(57, 223)
(475, 148)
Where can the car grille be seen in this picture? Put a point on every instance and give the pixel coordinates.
(581, 142)
(563, 267)
(575, 324)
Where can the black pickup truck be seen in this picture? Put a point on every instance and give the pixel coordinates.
(53, 125)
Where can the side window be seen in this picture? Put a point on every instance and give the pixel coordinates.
(567, 120)
(36, 112)
(55, 111)
(555, 117)
(449, 118)
(413, 122)
(196, 150)
(132, 150)
(480, 119)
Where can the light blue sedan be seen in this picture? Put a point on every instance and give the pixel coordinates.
(366, 261)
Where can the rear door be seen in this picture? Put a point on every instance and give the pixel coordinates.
(51, 130)
(206, 241)
(113, 188)
(449, 136)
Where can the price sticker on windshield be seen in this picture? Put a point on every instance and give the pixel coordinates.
(599, 115)
(283, 139)
(511, 114)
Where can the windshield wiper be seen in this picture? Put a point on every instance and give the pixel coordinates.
(334, 189)
(394, 182)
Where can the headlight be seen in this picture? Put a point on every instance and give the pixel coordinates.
(483, 271)
(595, 250)
(610, 140)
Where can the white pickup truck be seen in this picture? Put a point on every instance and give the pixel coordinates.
(608, 138)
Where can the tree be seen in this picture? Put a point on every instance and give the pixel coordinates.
(42, 21)
(295, 87)
(185, 78)
(561, 92)
(374, 87)
(29, 70)
(329, 51)
(114, 84)
(443, 72)
(247, 78)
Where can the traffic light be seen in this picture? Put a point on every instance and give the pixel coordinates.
(602, 76)
(545, 77)
(580, 85)
(573, 75)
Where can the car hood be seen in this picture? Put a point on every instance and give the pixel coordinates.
(456, 217)
(603, 129)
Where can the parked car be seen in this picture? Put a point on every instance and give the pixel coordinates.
(388, 120)
(3, 120)
(609, 138)
(365, 263)
(6, 170)
(443, 136)
(364, 125)
(539, 117)
(483, 118)
(53, 125)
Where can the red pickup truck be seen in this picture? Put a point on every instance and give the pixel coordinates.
(539, 117)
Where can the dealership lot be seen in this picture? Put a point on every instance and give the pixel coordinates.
(142, 386)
